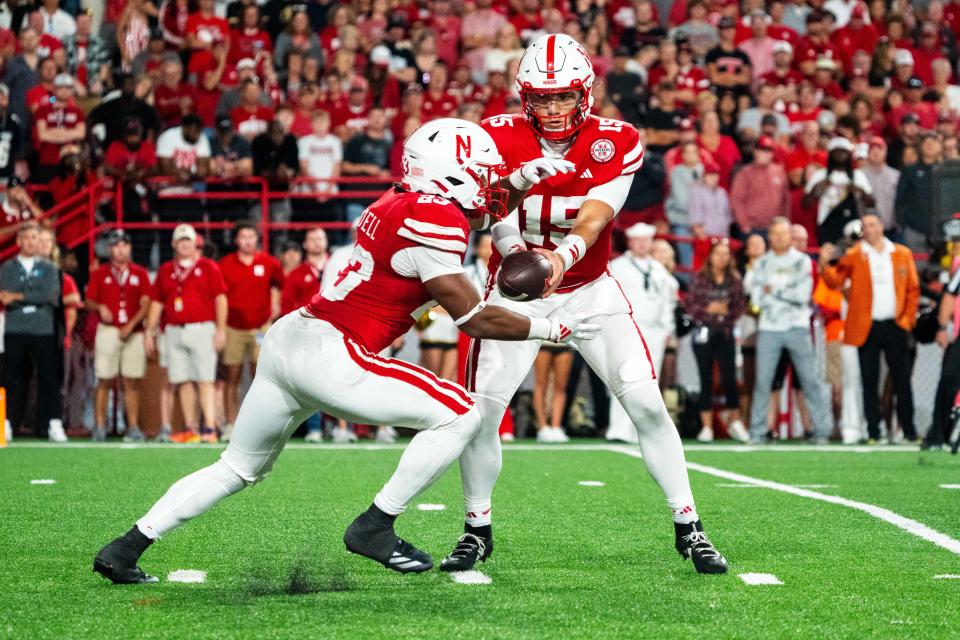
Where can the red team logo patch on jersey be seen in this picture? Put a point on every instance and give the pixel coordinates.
(602, 150)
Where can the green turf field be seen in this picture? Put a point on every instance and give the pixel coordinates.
(571, 561)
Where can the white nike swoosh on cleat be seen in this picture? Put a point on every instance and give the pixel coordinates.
(408, 565)
(398, 558)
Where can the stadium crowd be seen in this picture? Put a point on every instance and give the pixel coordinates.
(787, 185)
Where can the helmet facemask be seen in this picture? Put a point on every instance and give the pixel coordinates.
(491, 198)
(573, 112)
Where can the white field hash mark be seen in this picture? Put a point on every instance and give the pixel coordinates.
(947, 576)
(470, 577)
(950, 486)
(43, 481)
(754, 579)
(592, 483)
(910, 526)
(426, 506)
(187, 575)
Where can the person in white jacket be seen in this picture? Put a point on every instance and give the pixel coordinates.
(652, 292)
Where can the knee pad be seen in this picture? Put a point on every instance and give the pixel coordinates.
(466, 425)
(233, 474)
(632, 373)
(644, 404)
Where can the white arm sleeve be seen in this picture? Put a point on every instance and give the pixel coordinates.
(506, 234)
(613, 193)
(425, 263)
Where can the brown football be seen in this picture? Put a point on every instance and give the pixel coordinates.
(523, 276)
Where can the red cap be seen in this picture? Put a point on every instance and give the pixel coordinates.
(859, 11)
(765, 143)
(877, 141)
(687, 124)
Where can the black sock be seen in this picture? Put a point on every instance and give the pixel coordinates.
(380, 516)
(137, 540)
(483, 531)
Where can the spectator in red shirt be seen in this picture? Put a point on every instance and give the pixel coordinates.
(807, 106)
(495, 93)
(251, 118)
(438, 102)
(722, 149)
(349, 117)
(807, 156)
(190, 293)
(204, 28)
(211, 74)
(250, 41)
(253, 282)
(57, 125)
(304, 110)
(131, 161)
(929, 49)
(857, 35)
(119, 293)
(303, 282)
(783, 77)
(173, 98)
(817, 44)
(776, 29)
(528, 20)
(40, 94)
(823, 81)
(48, 45)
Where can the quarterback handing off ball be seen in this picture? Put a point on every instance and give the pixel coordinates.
(524, 276)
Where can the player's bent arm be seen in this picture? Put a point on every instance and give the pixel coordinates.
(460, 299)
(457, 295)
(602, 204)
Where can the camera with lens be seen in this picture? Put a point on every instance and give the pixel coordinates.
(852, 233)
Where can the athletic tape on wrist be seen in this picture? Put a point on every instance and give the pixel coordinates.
(571, 249)
(469, 314)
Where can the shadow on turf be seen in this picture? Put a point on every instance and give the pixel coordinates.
(302, 578)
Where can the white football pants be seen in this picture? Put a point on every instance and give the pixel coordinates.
(306, 365)
(618, 355)
(621, 426)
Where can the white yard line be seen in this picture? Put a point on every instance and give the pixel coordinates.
(470, 577)
(759, 578)
(187, 575)
(910, 526)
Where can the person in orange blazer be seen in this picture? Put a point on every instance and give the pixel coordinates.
(884, 295)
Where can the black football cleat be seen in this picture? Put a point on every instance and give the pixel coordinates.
(117, 562)
(375, 539)
(469, 550)
(692, 542)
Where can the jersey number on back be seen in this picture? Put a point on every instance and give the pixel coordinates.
(545, 220)
(357, 271)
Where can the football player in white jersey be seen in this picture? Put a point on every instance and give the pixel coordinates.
(569, 218)
(408, 257)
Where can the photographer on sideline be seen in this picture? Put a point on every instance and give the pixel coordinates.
(883, 300)
(841, 193)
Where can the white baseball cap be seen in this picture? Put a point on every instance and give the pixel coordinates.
(903, 57)
(841, 143)
(641, 230)
(184, 232)
(782, 46)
